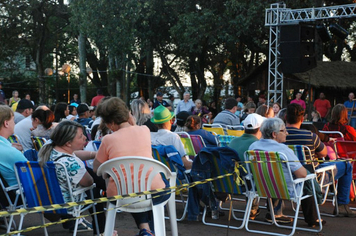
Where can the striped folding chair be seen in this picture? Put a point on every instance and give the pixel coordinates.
(187, 143)
(325, 175)
(269, 180)
(38, 142)
(214, 128)
(198, 142)
(227, 185)
(169, 156)
(39, 186)
(235, 130)
(224, 140)
(13, 138)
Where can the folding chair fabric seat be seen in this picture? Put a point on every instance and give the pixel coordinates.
(224, 140)
(39, 186)
(187, 143)
(198, 142)
(269, 180)
(38, 142)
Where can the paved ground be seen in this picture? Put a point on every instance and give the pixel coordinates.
(125, 225)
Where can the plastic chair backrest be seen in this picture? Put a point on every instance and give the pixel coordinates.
(133, 174)
(39, 184)
(347, 150)
(215, 130)
(38, 142)
(13, 138)
(224, 140)
(198, 142)
(268, 175)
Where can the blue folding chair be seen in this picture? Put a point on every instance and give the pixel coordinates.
(39, 186)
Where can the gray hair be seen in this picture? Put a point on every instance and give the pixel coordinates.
(186, 93)
(137, 109)
(282, 114)
(271, 125)
(64, 132)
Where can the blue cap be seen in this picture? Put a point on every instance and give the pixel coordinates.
(73, 104)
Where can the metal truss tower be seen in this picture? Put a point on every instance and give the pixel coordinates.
(278, 15)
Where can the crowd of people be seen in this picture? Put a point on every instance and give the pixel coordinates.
(68, 127)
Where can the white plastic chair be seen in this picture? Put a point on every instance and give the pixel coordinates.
(118, 169)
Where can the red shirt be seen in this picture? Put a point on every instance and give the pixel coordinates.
(348, 131)
(322, 106)
(96, 100)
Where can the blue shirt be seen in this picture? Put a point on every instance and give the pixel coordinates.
(185, 106)
(209, 138)
(349, 104)
(9, 156)
(163, 103)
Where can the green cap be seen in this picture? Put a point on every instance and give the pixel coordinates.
(161, 115)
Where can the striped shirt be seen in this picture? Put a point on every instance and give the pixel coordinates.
(304, 137)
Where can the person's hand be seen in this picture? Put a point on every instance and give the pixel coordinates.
(17, 146)
(332, 139)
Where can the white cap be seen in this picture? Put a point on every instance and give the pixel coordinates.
(253, 121)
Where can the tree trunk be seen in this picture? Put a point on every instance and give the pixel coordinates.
(82, 67)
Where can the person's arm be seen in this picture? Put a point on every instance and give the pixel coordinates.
(300, 173)
(320, 148)
(87, 180)
(85, 155)
(350, 133)
(96, 165)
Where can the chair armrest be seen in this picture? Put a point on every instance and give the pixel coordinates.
(14, 187)
(326, 168)
(300, 180)
(83, 189)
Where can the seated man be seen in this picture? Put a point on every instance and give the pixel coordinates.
(252, 125)
(9, 154)
(162, 118)
(83, 115)
(297, 136)
(227, 116)
(274, 134)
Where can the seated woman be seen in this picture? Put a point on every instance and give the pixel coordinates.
(42, 122)
(61, 111)
(339, 122)
(193, 126)
(142, 114)
(127, 139)
(265, 111)
(200, 110)
(67, 138)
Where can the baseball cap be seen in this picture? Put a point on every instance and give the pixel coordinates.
(24, 104)
(73, 104)
(182, 117)
(253, 121)
(159, 94)
(82, 108)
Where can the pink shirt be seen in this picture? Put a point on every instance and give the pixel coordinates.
(300, 102)
(129, 141)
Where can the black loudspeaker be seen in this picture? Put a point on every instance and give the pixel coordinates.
(297, 48)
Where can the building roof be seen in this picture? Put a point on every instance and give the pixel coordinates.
(337, 74)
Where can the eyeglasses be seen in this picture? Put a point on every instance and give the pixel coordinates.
(283, 130)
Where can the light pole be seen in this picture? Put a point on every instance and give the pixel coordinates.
(66, 69)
